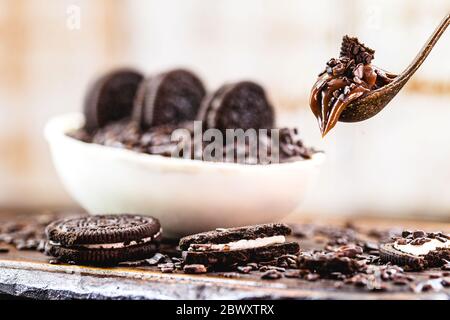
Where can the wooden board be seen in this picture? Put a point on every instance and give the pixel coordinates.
(28, 274)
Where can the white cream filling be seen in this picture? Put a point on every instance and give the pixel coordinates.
(114, 245)
(240, 244)
(422, 249)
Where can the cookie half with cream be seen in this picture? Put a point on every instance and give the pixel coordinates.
(417, 250)
(103, 239)
(225, 247)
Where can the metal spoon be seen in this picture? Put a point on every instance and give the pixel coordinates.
(370, 104)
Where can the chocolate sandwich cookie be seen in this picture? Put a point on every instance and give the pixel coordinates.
(417, 250)
(222, 248)
(243, 105)
(111, 97)
(168, 99)
(103, 239)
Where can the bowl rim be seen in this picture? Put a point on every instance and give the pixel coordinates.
(57, 127)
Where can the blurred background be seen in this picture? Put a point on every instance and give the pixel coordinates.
(396, 164)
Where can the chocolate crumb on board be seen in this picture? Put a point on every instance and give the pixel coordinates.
(194, 268)
(244, 269)
(271, 275)
(4, 250)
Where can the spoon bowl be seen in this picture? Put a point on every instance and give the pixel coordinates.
(373, 102)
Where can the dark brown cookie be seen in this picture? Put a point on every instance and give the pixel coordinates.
(102, 229)
(111, 97)
(389, 254)
(234, 234)
(103, 238)
(168, 98)
(101, 256)
(243, 105)
(222, 259)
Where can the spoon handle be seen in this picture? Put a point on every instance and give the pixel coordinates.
(425, 51)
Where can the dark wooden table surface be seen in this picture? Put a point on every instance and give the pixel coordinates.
(28, 274)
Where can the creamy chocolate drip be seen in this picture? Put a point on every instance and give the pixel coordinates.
(344, 80)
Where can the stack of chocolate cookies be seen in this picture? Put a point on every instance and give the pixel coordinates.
(125, 109)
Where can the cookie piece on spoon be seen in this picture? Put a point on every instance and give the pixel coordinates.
(168, 98)
(242, 105)
(110, 98)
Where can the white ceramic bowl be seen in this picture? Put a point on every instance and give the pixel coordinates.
(187, 196)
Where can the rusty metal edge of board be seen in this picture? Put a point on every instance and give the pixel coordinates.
(242, 288)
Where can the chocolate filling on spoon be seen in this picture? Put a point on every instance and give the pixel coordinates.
(345, 79)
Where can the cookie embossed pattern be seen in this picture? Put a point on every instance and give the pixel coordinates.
(118, 155)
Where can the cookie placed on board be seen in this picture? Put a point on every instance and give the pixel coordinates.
(417, 250)
(242, 105)
(110, 98)
(224, 247)
(103, 239)
(168, 99)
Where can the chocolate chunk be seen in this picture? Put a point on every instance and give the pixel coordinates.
(194, 268)
(271, 275)
(156, 259)
(111, 98)
(445, 283)
(167, 269)
(437, 258)
(419, 241)
(350, 251)
(312, 277)
(441, 239)
(244, 269)
(427, 287)
(355, 50)
(419, 234)
(326, 263)
(243, 105)
(292, 273)
(137, 263)
(253, 265)
(168, 99)
(54, 261)
(405, 233)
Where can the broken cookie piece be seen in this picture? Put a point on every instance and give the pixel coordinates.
(417, 250)
(223, 248)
